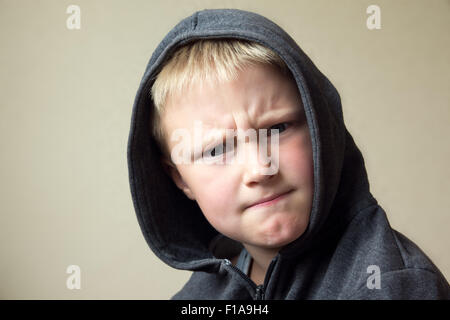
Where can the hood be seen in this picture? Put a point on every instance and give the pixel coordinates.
(173, 225)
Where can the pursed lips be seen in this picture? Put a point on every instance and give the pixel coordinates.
(266, 201)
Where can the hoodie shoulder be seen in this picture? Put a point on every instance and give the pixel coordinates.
(374, 249)
(406, 284)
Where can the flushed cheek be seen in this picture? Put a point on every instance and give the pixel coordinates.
(214, 194)
(296, 160)
(221, 217)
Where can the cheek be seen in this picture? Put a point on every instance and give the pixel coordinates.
(296, 160)
(213, 191)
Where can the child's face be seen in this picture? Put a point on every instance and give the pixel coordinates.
(261, 97)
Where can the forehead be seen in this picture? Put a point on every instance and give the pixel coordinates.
(258, 94)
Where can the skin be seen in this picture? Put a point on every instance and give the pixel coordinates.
(260, 97)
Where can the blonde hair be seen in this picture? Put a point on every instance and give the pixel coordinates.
(205, 60)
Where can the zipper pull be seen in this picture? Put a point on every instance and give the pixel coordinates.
(259, 292)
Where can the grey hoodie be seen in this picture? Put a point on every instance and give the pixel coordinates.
(349, 250)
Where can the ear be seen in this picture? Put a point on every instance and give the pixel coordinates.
(173, 172)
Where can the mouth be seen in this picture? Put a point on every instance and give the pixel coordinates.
(270, 200)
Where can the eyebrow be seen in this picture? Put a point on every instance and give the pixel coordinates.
(279, 115)
(271, 116)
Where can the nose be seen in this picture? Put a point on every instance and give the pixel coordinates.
(256, 166)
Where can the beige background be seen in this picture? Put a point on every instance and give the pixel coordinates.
(66, 98)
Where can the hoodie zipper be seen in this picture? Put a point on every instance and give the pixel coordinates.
(259, 289)
(259, 295)
(243, 275)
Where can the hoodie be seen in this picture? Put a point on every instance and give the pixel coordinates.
(348, 251)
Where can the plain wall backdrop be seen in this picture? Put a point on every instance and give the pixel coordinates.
(66, 99)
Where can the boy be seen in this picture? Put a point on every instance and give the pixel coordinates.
(295, 220)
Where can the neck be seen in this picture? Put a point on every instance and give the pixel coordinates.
(260, 262)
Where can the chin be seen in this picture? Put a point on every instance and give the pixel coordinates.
(283, 236)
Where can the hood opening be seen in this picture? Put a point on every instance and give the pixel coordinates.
(174, 225)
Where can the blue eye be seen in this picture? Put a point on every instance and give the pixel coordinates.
(280, 126)
(216, 150)
(226, 147)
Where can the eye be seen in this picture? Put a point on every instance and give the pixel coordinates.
(227, 147)
(216, 151)
(280, 127)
